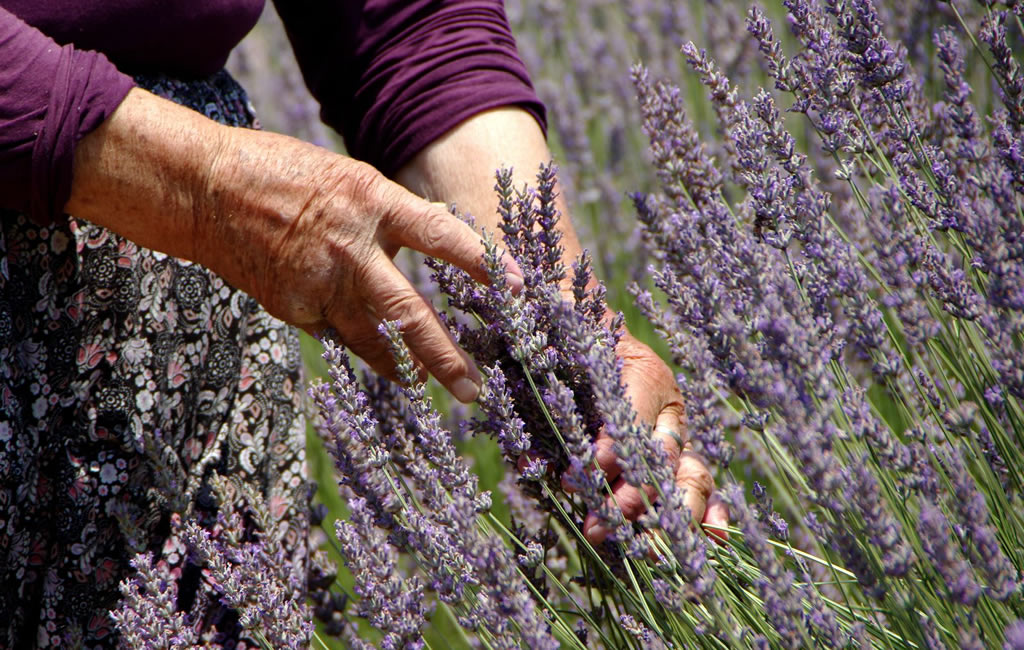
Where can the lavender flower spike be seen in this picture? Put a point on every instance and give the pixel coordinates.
(1000, 575)
(781, 597)
(1014, 635)
(148, 617)
(392, 604)
(936, 537)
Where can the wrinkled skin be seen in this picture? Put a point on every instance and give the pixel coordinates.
(309, 233)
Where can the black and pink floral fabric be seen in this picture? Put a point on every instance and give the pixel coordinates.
(127, 379)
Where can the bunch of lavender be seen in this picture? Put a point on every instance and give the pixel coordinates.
(410, 494)
(553, 381)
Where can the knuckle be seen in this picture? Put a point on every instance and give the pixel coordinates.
(448, 364)
(696, 477)
(358, 185)
(366, 192)
(674, 408)
(362, 181)
(365, 342)
(671, 447)
(373, 352)
(402, 305)
(631, 503)
(426, 339)
(434, 230)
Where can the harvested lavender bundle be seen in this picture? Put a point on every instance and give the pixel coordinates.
(554, 384)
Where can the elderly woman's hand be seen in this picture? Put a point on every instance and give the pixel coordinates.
(655, 396)
(311, 235)
(308, 233)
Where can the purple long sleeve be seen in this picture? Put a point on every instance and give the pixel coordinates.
(393, 75)
(50, 98)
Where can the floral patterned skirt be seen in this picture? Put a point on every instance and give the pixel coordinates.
(127, 379)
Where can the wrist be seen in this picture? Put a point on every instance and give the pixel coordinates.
(141, 173)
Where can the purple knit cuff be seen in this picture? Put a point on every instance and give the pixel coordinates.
(50, 98)
(445, 68)
(455, 63)
(401, 73)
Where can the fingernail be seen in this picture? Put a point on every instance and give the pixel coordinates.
(515, 283)
(465, 390)
(596, 533)
(513, 274)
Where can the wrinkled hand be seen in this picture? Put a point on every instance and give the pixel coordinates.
(311, 235)
(652, 390)
(308, 233)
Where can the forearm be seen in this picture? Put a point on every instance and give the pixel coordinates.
(172, 180)
(306, 232)
(459, 167)
(138, 174)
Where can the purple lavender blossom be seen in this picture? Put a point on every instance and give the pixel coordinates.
(765, 513)
(986, 553)
(148, 617)
(496, 403)
(825, 80)
(960, 112)
(641, 458)
(874, 58)
(1014, 635)
(775, 585)
(1011, 82)
(779, 67)
(247, 577)
(502, 598)
(936, 537)
(393, 604)
(880, 527)
(641, 633)
(688, 548)
(679, 155)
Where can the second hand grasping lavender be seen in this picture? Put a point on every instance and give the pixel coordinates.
(649, 385)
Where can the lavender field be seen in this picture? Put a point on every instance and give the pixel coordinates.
(813, 208)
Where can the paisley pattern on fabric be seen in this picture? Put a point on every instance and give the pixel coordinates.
(127, 379)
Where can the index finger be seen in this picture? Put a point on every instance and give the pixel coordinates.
(430, 229)
(390, 296)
